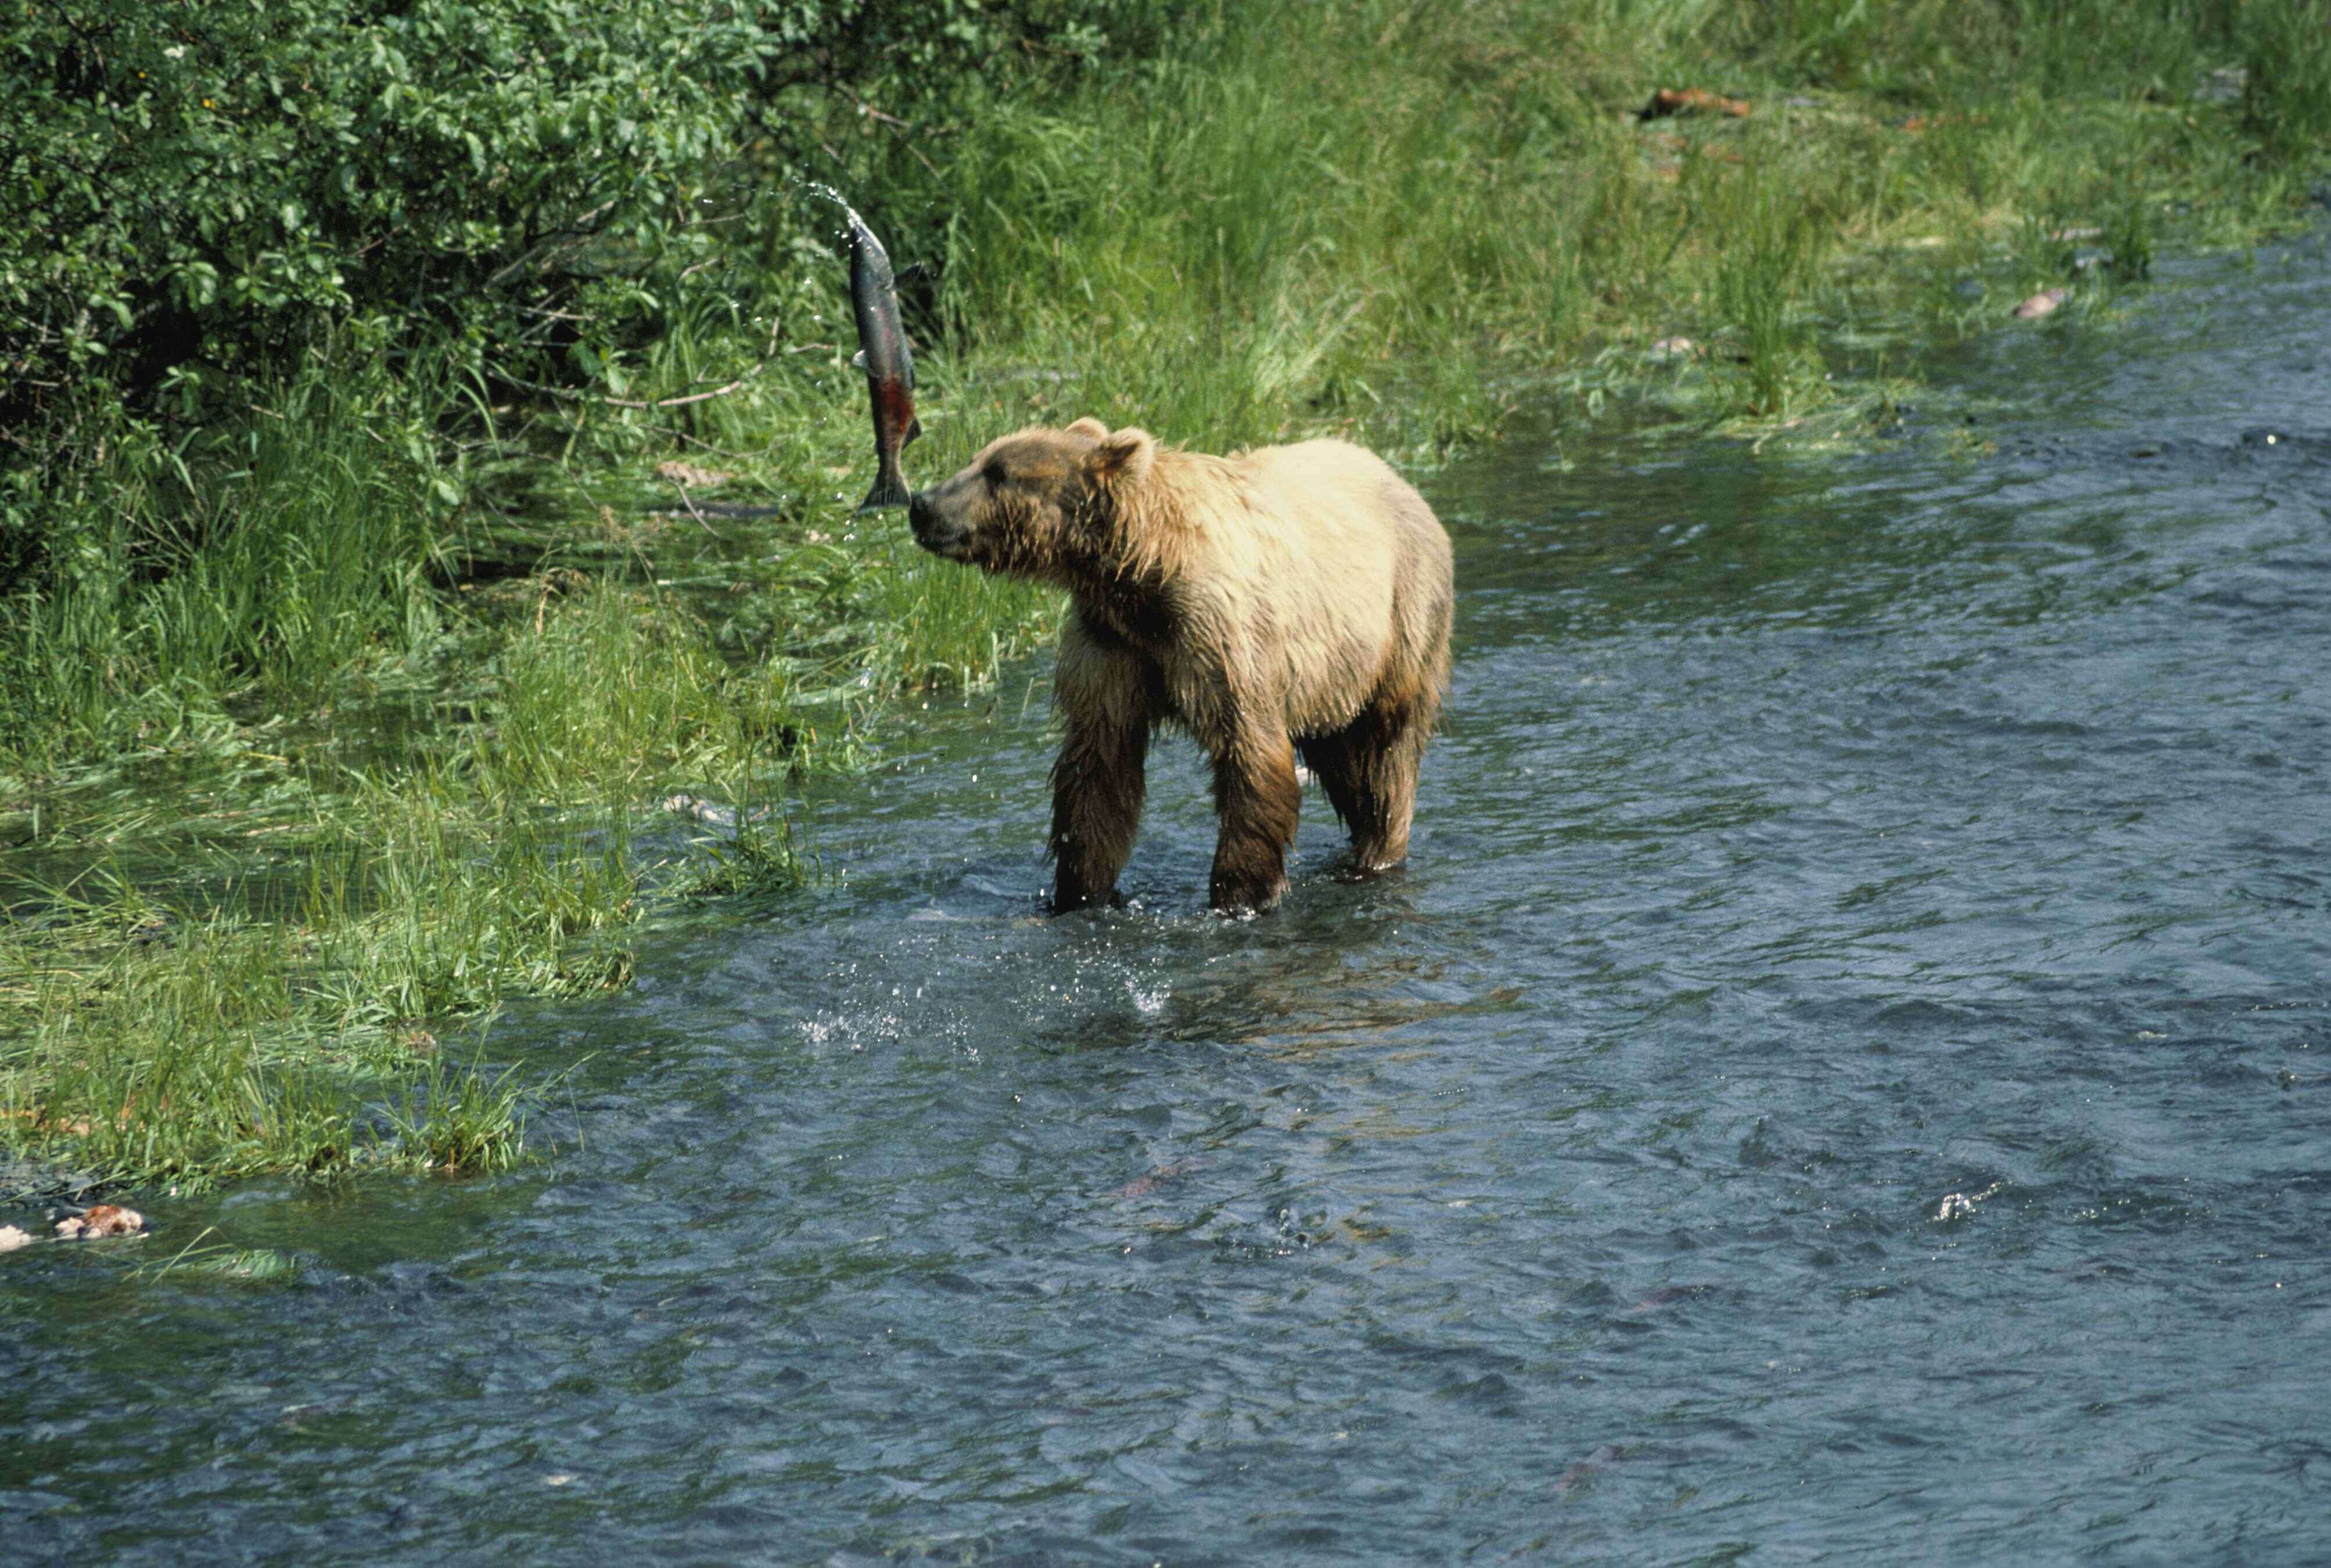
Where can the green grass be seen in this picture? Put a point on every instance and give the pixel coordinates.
(149, 1042)
(204, 1259)
(328, 731)
(268, 1016)
(2287, 91)
(268, 559)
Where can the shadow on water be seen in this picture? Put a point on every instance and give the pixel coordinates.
(1846, 1071)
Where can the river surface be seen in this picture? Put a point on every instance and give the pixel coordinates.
(1846, 1076)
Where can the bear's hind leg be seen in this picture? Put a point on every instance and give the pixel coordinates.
(1329, 757)
(1369, 769)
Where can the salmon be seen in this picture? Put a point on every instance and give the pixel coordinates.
(884, 356)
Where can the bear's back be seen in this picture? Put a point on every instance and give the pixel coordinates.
(1333, 560)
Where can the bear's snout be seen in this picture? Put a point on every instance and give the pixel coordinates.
(933, 532)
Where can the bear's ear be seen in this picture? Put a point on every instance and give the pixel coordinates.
(1089, 428)
(1124, 457)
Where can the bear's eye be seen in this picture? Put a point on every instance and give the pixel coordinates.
(994, 474)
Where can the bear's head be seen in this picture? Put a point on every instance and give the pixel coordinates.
(1038, 503)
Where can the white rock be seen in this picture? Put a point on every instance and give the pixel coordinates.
(101, 1219)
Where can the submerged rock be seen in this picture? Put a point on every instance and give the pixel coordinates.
(2223, 85)
(1672, 346)
(2043, 303)
(1142, 1186)
(12, 1237)
(100, 1221)
(703, 811)
(711, 813)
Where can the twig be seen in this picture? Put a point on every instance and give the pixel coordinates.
(699, 440)
(677, 402)
(572, 396)
(690, 505)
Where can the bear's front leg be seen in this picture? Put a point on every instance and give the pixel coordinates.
(1098, 782)
(1256, 792)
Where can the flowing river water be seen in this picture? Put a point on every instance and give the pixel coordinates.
(1846, 1076)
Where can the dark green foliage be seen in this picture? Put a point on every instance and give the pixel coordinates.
(193, 188)
(194, 193)
(191, 185)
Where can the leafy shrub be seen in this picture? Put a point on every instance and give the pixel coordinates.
(193, 192)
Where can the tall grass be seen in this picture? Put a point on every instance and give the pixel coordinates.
(2287, 87)
(1298, 228)
(216, 1033)
(264, 561)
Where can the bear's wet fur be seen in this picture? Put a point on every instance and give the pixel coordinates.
(1279, 600)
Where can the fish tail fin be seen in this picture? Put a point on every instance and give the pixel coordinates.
(889, 490)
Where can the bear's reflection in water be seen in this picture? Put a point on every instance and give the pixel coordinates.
(1341, 966)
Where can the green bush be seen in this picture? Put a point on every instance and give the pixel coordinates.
(193, 191)
(193, 188)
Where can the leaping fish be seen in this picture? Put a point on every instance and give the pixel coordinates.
(884, 356)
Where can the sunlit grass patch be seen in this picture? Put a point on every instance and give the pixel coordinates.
(462, 1122)
(603, 691)
(225, 1036)
(424, 908)
(144, 1043)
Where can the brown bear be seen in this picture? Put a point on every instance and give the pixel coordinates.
(1285, 599)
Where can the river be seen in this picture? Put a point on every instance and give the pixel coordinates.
(1846, 1075)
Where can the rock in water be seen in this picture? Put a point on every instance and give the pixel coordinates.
(103, 1219)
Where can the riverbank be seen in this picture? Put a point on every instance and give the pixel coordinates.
(371, 722)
